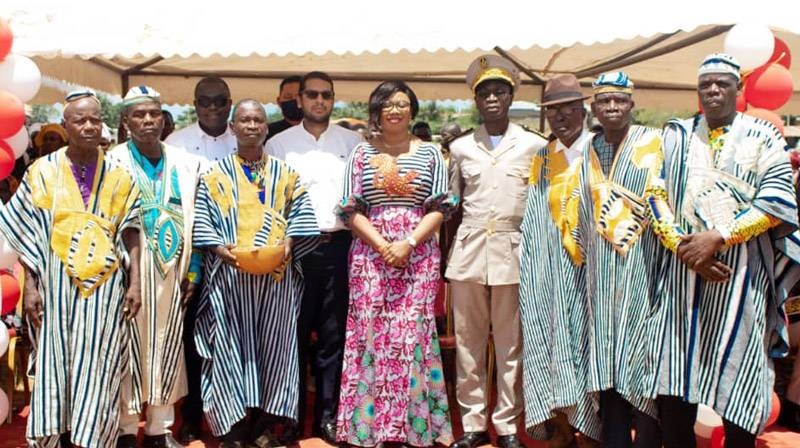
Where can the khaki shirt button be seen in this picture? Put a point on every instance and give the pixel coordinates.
(494, 162)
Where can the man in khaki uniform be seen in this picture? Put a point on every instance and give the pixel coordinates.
(489, 170)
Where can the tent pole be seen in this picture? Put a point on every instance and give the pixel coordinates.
(541, 111)
(691, 40)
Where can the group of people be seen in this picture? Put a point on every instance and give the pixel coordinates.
(623, 275)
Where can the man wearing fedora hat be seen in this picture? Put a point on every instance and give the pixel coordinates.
(554, 313)
(489, 170)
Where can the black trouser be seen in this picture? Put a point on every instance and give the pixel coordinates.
(192, 409)
(677, 424)
(618, 416)
(324, 310)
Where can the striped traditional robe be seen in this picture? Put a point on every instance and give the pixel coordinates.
(717, 338)
(79, 351)
(246, 324)
(553, 311)
(621, 263)
(157, 372)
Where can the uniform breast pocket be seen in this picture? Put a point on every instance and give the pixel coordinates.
(518, 182)
(470, 172)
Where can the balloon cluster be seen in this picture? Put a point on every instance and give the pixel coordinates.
(20, 79)
(765, 60)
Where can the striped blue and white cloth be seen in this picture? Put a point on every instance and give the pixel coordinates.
(554, 316)
(620, 285)
(717, 339)
(246, 324)
(79, 351)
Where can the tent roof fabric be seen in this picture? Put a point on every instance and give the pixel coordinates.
(429, 44)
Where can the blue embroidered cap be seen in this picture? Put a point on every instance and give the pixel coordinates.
(613, 82)
(720, 63)
(140, 94)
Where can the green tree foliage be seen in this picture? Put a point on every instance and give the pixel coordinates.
(431, 112)
(657, 118)
(188, 117)
(43, 113)
(111, 111)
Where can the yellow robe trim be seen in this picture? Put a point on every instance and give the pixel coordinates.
(563, 196)
(252, 213)
(620, 214)
(81, 239)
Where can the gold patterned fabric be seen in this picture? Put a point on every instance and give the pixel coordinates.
(82, 236)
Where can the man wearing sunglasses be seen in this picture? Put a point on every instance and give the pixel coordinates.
(208, 140)
(319, 152)
(489, 171)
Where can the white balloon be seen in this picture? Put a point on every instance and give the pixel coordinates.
(750, 44)
(3, 339)
(4, 406)
(19, 142)
(20, 76)
(7, 255)
(706, 421)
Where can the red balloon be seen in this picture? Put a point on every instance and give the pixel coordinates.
(774, 410)
(6, 159)
(718, 437)
(781, 55)
(6, 38)
(741, 103)
(769, 87)
(768, 115)
(11, 293)
(12, 114)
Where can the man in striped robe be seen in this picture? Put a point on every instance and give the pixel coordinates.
(620, 262)
(247, 321)
(72, 221)
(167, 180)
(552, 310)
(724, 206)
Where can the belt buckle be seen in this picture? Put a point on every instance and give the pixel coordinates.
(491, 226)
(325, 237)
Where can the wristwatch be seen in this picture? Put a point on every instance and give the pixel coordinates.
(412, 242)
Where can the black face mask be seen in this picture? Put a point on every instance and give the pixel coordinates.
(291, 111)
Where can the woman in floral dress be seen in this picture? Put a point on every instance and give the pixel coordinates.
(395, 198)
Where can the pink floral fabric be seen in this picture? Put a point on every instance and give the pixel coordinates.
(392, 381)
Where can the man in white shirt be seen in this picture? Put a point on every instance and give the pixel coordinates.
(208, 140)
(319, 152)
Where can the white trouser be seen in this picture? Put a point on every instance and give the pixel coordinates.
(159, 421)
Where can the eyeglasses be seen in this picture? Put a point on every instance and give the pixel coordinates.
(314, 94)
(400, 105)
(565, 110)
(498, 93)
(218, 101)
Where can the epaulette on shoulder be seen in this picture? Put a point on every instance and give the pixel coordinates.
(464, 133)
(533, 131)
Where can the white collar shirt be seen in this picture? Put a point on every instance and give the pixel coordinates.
(320, 163)
(205, 148)
(573, 152)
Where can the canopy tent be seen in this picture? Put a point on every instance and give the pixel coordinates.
(429, 44)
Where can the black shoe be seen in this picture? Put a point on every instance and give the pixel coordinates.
(126, 441)
(790, 415)
(472, 440)
(189, 433)
(327, 432)
(290, 435)
(510, 441)
(232, 444)
(265, 440)
(162, 441)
